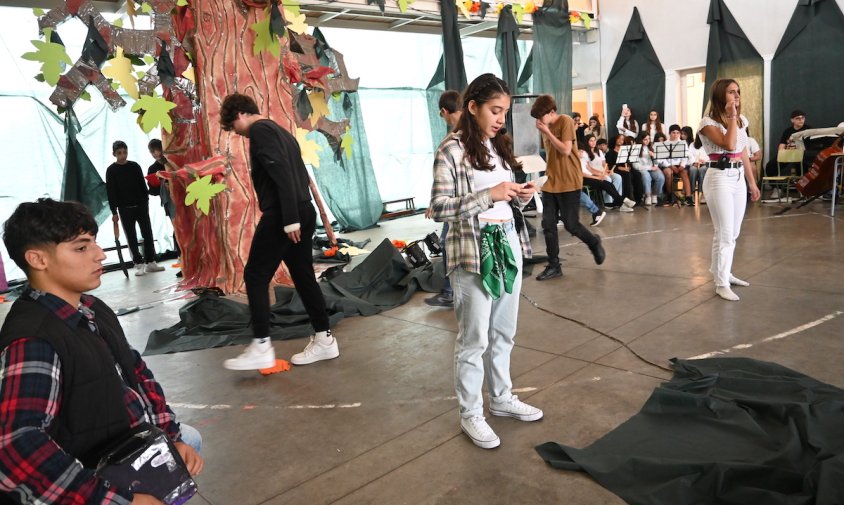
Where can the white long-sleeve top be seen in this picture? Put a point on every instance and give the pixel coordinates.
(628, 132)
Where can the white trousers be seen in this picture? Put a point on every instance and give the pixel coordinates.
(486, 329)
(726, 197)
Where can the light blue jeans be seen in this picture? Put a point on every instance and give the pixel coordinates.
(616, 182)
(486, 329)
(587, 202)
(653, 179)
(191, 436)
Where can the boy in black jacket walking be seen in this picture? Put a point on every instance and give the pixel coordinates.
(284, 233)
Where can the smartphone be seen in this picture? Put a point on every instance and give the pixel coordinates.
(623, 106)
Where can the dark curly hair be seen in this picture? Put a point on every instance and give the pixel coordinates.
(542, 105)
(233, 105)
(45, 222)
(484, 88)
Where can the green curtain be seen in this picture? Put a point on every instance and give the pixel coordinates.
(637, 78)
(432, 94)
(552, 52)
(506, 50)
(731, 55)
(347, 183)
(524, 85)
(82, 183)
(806, 71)
(454, 68)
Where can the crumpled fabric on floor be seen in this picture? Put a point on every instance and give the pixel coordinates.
(723, 431)
(383, 280)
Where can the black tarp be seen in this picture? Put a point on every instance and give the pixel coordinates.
(637, 77)
(381, 281)
(731, 431)
(455, 71)
(552, 52)
(806, 72)
(506, 48)
(731, 55)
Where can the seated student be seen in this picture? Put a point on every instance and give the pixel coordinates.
(695, 165)
(596, 164)
(598, 180)
(630, 187)
(69, 381)
(595, 129)
(672, 166)
(798, 124)
(652, 177)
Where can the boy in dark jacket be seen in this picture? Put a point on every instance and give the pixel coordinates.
(69, 381)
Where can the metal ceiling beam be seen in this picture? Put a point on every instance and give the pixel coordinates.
(479, 27)
(401, 22)
(331, 15)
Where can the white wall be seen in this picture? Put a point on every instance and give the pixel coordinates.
(681, 44)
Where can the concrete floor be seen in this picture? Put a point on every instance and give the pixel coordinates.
(379, 424)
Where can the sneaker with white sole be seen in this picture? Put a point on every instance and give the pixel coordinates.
(628, 203)
(625, 208)
(316, 351)
(140, 269)
(515, 408)
(479, 432)
(154, 267)
(598, 217)
(254, 357)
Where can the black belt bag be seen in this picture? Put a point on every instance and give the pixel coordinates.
(724, 162)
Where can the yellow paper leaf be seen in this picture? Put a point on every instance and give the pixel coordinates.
(319, 106)
(310, 149)
(464, 9)
(295, 22)
(120, 69)
(189, 75)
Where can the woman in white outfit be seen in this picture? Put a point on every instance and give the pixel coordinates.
(723, 132)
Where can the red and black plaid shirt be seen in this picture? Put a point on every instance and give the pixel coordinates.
(33, 468)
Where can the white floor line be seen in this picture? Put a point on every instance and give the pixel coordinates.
(613, 237)
(778, 336)
(202, 406)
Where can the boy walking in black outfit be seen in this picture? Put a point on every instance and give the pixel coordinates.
(70, 384)
(129, 202)
(284, 233)
(561, 192)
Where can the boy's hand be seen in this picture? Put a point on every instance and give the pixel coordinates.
(542, 127)
(191, 458)
(145, 499)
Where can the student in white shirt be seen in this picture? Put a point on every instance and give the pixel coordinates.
(672, 166)
(626, 125)
(654, 125)
(652, 177)
(694, 165)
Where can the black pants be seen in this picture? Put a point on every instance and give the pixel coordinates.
(271, 246)
(565, 206)
(139, 214)
(606, 186)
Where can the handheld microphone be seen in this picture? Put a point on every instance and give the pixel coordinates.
(503, 130)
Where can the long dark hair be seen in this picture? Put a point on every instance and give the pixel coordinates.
(657, 123)
(583, 145)
(690, 135)
(483, 89)
(718, 102)
(631, 124)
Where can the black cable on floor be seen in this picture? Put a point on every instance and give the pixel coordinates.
(599, 332)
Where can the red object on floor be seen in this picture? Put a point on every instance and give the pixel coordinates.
(280, 366)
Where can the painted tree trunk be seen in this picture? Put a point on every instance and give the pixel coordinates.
(215, 247)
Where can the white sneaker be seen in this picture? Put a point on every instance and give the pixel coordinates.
(726, 293)
(154, 267)
(252, 358)
(479, 432)
(628, 203)
(775, 194)
(625, 208)
(140, 269)
(735, 281)
(515, 408)
(316, 351)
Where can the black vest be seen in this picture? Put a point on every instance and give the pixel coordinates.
(92, 412)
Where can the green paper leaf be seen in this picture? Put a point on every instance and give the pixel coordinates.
(40, 78)
(38, 11)
(85, 96)
(181, 3)
(292, 6)
(402, 6)
(264, 40)
(51, 56)
(201, 191)
(587, 21)
(118, 22)
(146, 8)
(518, 12)
(347, 142)
(156, 112)
(140, 74)
(337, 95)
(115, 85)
(148, 59)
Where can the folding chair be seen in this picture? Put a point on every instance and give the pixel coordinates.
(787, 173)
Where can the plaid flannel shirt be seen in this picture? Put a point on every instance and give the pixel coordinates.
(454, 200)
(31, 463)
